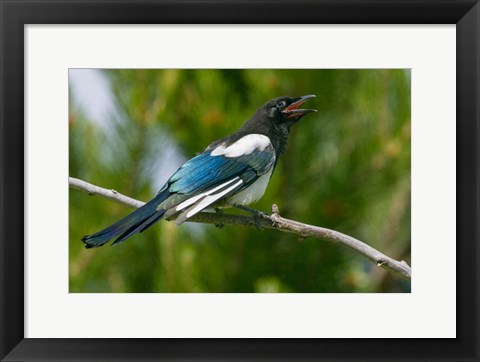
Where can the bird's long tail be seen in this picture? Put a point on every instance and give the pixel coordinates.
(136, 222)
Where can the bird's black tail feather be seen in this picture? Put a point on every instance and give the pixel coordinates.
(136, 222)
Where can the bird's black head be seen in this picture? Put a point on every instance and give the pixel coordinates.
(275, 118)
(284, 112)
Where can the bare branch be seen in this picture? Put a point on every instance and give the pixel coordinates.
(264, 221)
(100, 191)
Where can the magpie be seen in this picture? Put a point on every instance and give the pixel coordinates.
(232, 171)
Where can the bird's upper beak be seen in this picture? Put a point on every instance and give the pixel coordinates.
(293, 110)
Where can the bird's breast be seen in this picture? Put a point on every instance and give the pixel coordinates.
(252, 193)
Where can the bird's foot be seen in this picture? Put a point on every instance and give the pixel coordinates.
(218, 211)
(257, 215)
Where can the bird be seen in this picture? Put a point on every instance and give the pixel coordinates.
(232, 171)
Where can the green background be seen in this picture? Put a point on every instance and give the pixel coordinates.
(346, 167)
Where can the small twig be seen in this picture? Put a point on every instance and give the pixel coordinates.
(273, 221)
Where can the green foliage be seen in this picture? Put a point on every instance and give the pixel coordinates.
(347, 168)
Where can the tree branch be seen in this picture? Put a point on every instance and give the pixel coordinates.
(264, 221)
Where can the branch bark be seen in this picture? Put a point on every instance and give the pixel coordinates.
(273, 221)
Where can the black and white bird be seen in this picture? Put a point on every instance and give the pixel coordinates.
(232, 171)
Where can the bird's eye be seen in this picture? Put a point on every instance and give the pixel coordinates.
(281, 104)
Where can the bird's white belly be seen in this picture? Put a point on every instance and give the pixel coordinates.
(252, 193)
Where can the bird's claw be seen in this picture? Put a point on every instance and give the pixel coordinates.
(219, 211)
(257, 215)
(256, 219)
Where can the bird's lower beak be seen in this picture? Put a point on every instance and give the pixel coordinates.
(293, 110)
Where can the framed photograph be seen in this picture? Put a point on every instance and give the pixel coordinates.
(160, 117)
(280, 180)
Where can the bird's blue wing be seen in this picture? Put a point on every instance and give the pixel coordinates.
(205, 179)
(205, 171)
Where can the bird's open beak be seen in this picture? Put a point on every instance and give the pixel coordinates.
(293, 110)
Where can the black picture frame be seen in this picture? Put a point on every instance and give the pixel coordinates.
(16, 14)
